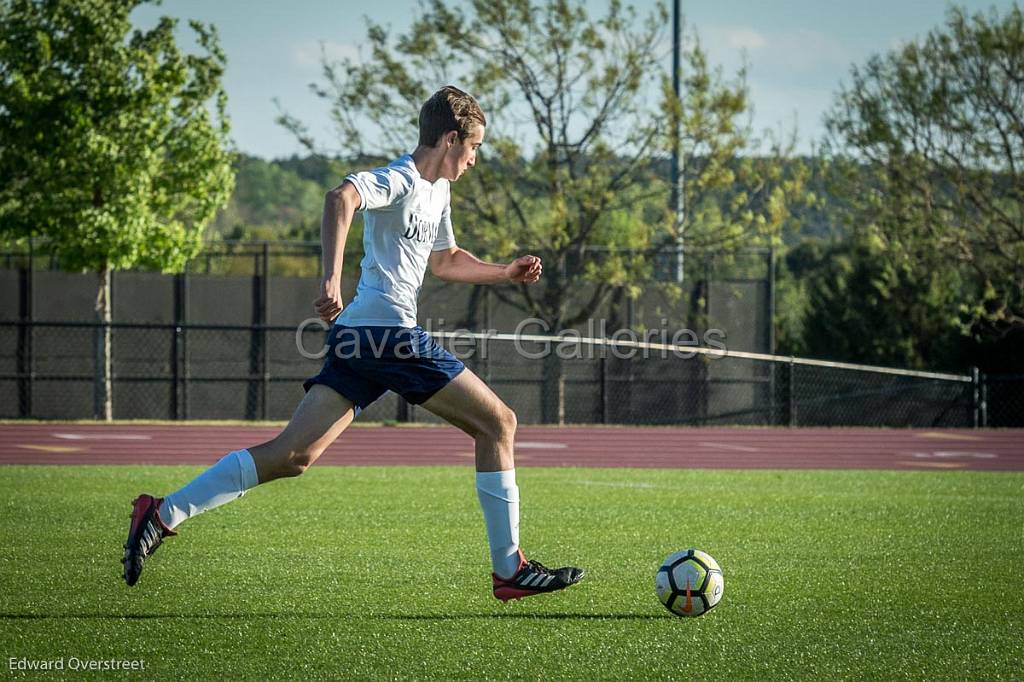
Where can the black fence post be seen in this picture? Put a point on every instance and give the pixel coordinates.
(705, 374)
(604, 385)
(265, 341)
(772, 416)
(185, 365)
(485, 342)
(176, 368)
(179, 355)
(790, 394)
(254, 383)
(25, 333)
(983, 383)
(771, 300)
(976, 396)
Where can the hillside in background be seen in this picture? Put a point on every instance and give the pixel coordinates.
(281, 199)
(271, 201)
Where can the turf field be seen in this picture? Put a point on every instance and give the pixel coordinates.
(382, 573)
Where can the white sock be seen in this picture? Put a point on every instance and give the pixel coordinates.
(499, 498)
(225, 481)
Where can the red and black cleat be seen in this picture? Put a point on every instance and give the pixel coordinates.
(532, 578)
(144, 536)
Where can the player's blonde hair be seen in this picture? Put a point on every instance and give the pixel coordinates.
(449, 109)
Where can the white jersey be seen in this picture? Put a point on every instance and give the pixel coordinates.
(406, 217)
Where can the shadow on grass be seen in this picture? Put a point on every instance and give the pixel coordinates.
(328, 616)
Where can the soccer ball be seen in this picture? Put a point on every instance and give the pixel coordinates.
(689, 583)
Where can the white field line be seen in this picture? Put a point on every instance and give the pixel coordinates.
(617, 484)
(728, 446)
(102, 436)
(948, 454)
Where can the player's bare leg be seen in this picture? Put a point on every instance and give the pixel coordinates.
(468, 403)
(319, 419)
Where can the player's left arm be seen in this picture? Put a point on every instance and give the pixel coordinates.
(458, 265)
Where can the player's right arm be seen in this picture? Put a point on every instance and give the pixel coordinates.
(340, 205)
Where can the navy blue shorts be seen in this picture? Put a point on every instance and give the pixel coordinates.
(364, 362)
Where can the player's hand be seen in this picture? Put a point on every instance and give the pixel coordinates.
(328, 306)
(525, 269)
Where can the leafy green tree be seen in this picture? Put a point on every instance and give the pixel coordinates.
(858, 305)
(581, 117)
(928, 144)
(113, 142)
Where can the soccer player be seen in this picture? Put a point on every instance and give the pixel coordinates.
(376, 345)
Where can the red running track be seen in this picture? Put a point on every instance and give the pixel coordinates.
(593, 446)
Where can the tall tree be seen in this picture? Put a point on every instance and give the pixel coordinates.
(928, 142)
(858, 306)
(581, 117)
(113, 142)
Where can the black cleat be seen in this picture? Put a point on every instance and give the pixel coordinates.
(532, 578)
(144, 536)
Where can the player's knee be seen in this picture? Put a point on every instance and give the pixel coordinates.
(298, 461)
(505, 424)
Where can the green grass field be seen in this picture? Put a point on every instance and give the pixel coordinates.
(383, 573)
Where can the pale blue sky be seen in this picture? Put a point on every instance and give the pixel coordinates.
(798, 51)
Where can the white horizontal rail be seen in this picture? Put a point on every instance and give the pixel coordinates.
(711, 352)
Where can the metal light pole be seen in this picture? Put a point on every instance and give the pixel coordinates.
(677, 199)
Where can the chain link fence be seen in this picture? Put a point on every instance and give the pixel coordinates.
(633, 382)
(51, 370)
(1003, 398)
(159, 371)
